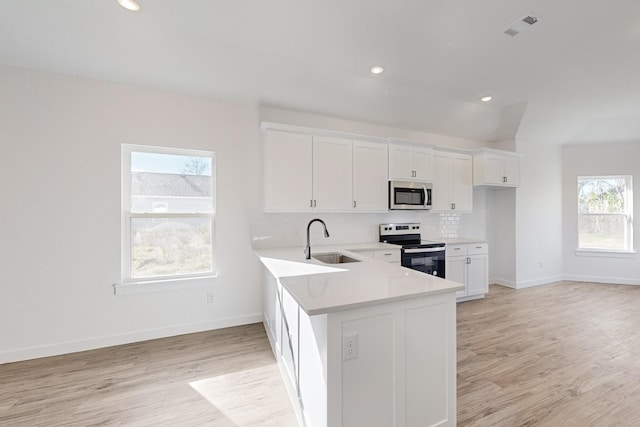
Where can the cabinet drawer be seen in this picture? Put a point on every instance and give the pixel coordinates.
(478, 248)
(455, 250)
(388, 255)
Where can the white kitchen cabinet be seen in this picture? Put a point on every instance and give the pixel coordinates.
(287, 172)
(290, 335)
(304, 173)
(404, 372)
(370, 176)
(387, 255)
(496, 168)
(410, 162)
(332, 174)
(452, 182)
(468, 264)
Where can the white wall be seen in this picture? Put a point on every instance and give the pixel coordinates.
(277, 115)
(60, 216)
(598, 159)
(538, 214)
(501, 234)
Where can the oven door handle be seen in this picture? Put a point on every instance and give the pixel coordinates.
(422, 250)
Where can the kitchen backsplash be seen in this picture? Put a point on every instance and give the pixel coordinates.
(450, 225)
(289, 230)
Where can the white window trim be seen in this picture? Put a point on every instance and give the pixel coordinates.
(627, 214)
(129, 284)
(605, 253)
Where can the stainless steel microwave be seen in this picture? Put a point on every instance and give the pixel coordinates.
(409, 195)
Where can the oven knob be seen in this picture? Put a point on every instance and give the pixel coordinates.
(435, 273)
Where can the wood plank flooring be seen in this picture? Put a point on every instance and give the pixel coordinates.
(566, 354)
(226, 377)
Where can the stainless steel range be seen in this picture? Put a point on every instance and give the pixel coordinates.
(417, 254)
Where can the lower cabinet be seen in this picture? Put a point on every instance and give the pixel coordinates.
(387, 255)
(403, 371)
(468, 264)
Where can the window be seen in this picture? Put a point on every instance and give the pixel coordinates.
(605, 213)
(167, 213)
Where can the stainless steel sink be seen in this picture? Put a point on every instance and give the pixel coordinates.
(334, 258)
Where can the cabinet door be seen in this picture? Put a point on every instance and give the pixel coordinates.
(493, 170)
(423, 164)
(400, 162)
(441, 193)
(462, 183)
(290, 336)
(478, 275)
(456, 270)
(287, 172)
(332, 174)
(388, 255)
(370, 176)
(512, 171)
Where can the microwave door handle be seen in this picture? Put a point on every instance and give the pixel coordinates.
(426, 196)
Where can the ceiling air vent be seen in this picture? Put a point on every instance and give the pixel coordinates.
(521, 24)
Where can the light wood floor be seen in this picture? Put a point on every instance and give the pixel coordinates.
(566, 354)
(223, 378)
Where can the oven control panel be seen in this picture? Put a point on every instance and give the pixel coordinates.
(395, 229)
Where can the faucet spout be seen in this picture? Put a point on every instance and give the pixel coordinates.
(307, 249)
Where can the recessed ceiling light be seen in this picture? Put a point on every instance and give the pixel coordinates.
(486, 98)
(131, 5)
(377, 69)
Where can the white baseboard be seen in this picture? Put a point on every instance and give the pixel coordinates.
(502, 282)
(572, 278)
(609, 280)
(526, 284)
(538, 282)
(108, 341)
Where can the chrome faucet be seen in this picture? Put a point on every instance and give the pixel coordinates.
(307, 249)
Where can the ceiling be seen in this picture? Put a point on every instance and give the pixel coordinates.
(572, 77)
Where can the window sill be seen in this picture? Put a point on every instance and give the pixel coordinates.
(128, 288)
(605, 253)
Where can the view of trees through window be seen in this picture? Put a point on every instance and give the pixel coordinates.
(603, 212)
(169, 212)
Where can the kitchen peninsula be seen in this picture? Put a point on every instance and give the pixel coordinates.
(364, 342)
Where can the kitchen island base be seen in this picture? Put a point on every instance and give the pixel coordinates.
(388, 364)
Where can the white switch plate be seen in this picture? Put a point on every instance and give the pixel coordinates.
(350, 347)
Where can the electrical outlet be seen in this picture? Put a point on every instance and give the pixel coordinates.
(350, 347)
(210, 299)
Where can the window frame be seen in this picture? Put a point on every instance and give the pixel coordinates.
(127, 216)
(627, 214)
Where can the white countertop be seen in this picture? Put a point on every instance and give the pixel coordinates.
(322, 288)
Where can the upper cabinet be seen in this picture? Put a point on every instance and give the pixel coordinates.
(452, 182)
(496, 168)
(410, 162)
(370, 180)
(288, 176)
(332, 174)
(305, 172)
